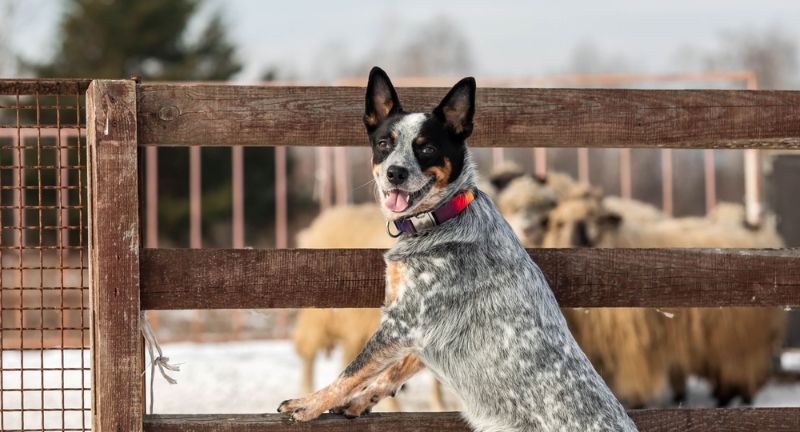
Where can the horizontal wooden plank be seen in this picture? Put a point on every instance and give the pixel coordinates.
(43, 86)
(678, 419)
(223, 115)
(268, 278)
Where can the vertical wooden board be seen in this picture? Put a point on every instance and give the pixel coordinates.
(117, 396)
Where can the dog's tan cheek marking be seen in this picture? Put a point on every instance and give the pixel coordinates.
(376, 170)
(442, 173)
(395, 281)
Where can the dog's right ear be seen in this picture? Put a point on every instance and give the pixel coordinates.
(381, 99)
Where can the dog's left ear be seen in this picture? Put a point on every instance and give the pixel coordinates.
(458, 107)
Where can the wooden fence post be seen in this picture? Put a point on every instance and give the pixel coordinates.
(117, 394)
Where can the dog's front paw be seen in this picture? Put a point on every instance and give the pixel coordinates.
(301, 409)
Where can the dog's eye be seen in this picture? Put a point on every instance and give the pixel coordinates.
(428, 150)
(383, 145)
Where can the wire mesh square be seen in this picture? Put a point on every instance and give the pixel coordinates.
(44, 314)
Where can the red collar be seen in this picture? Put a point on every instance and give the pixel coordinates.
(424, 221)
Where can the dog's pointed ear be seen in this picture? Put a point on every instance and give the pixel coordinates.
(381, 99)
(458, 107)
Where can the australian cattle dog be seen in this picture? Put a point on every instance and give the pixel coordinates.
(463, 297)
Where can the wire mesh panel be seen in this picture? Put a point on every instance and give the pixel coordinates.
(44, 306)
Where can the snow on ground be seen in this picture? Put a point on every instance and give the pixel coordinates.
(251, 377)
(240, 377)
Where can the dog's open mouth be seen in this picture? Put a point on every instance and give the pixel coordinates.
(398, 200)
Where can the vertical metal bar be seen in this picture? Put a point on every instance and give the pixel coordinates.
(117, 356)
(19, 223)
(19, 185)
(324, 177)
(752, 187)
(710, 179)
(281, 198)
(81, 255)
(62, 221)
(40, 243)
(666, 181)
(151, 196)
(498, 158)
(237, 185)
(195, 197)
(540, 162)
(583, 165)
(341, 175)
(625, 185)
(752, 175)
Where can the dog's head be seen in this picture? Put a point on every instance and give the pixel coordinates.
(419, 160)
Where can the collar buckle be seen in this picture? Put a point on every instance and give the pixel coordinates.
(423, 221)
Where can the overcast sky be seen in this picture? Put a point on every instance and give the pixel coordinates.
(507, 37)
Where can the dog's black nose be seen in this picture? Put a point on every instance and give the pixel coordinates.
(396, 174)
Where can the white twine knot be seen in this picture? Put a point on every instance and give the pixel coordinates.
(160, 361)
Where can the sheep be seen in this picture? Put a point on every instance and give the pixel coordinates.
(731, 347)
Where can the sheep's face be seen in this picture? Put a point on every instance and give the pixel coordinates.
(525, 203)
(579, 223)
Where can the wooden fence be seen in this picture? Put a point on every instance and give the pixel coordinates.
(124, 116)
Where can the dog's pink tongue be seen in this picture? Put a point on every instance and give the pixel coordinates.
(397, 200)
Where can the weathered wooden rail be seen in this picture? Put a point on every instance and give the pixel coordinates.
(122, 116)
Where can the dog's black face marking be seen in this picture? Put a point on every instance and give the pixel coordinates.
(430, 146)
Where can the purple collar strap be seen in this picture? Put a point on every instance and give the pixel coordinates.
(427, 220)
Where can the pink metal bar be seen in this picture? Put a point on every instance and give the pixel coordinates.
(580, 79)
(540, 162)
(341, 175)
(195, 196)
(710, 179)
(151, 196)
(18, 180)
(281, 198)
(752, 176)
(324, 177)
(625, 185)
(237, 181)
(666, 181)
(498, 158)
(583, 165)
(63, 194)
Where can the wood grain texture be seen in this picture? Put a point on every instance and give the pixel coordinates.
(223, 115)
(117, 398)
(43, 86)
(683, 420)
(228, 278)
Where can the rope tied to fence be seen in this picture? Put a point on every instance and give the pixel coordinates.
(160, 361)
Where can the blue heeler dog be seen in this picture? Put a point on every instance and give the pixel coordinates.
(462, 296)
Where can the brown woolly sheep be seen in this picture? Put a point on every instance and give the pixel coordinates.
(732, 347)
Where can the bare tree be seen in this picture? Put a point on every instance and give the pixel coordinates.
(588, 58)
(770, 52)
(436, 47)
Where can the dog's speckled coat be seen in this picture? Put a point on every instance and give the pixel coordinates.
(466, 299)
